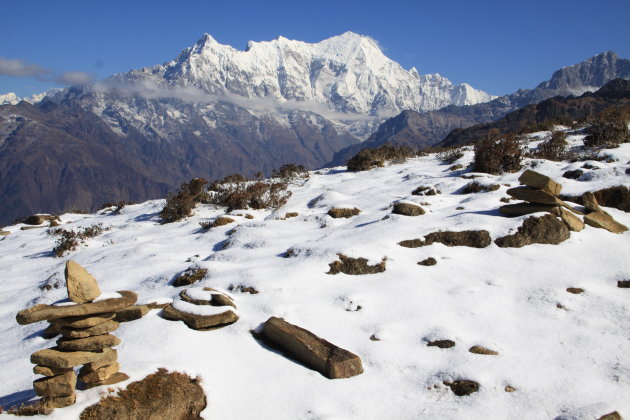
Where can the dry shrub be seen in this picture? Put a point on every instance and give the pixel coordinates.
(291, 214)
(243, 289)
(554, 148)
(471, 238)
(425, 190)
(181, 204)
(338, 213)
(408, 209)
(237, 192)
(222, 221)
(161, 395)
(290, 172)
(476, 187)
(368, 159)
(495, 155)
(69, 239)
(449, 156)
(355, 266)
(609, 129)
(190, 276)
(43, 406)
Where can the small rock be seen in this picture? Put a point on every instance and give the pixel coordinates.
(443, 344)
(509, 389)
(604, 221)
(540, 182)
(96, 343)
(291, 214)
(575, 290)
(408, 209)
(338, 213)
(483, 350)
(463, 387)
(373, 337)
(108, 359)
(316, 353)
(574, 174)
(82, 286)
(428, 262)
(87, 375)
(624, 284)
(590, 203)
(611, 416)
(56, 386)
(189, 276)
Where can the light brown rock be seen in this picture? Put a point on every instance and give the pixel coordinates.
(590, 203)
(540, 182)
(61, 402)
(482, 350)
(316, 353)
(57, 358)
(88, 376)
(538, 197)
(86, 321)
(216, 299)
(114, 379)
(96, 343)
(509, 388)
(51, 331)
(111, 357)
(573, 222)
(56, 386)
(82, 286)
(100, 329)
(201, 322)
(611, 416)
(604, 221)
(521, 209)
(49, 312)
(49, 371)
(132, 313)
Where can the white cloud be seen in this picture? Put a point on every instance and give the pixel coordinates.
(74, 78)
(19, 68)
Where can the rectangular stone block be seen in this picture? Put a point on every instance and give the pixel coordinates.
(56, 358)
(56, 386)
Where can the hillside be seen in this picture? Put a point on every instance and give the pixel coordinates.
(561, 355)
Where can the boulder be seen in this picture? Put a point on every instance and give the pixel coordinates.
(538, 197)
(114, 379)
(131, 313)
(82, 286)
(573, 222)
(617, 197)
(463, 387)
(483, 350)
(57, 358)
(86, 321)
(540, 182)
(521, 209)
(604, 221)
(104, 328)
(180, 397)
(546, 229)
(200, 322)
(49, 371)
(408, 209)
(50, 312)
(316, 353)
(87, 375)
(56, 386)
(96, 343)
(471, 238)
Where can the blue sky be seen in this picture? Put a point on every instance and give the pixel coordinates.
(497, 46)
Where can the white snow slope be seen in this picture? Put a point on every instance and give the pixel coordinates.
(566, 354)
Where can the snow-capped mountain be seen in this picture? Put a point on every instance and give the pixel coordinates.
(12, 99)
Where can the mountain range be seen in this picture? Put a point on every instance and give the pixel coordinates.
(215, 110)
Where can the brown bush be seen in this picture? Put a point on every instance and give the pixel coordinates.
(181, 204)
(338, 213)
(368, 159)
(476, 187)
(161, 395)
(42, 406)
(290, 172)
(495, 155)
(471, 238)
(554, 148)
(355, 266)
(237, 192)
(69, 239)
(190, 276)
(609, 129)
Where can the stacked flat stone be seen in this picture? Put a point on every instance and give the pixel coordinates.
(86, 339)
(541, 193)
(202, 309)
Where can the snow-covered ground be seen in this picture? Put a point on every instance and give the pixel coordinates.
(566, 355)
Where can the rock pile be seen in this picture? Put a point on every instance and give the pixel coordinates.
(202, 309)
(541, 194)
(86, 340)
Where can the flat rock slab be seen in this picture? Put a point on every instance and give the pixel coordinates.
(96, 343)
(114, 379)
(82, 286)
(538, 197)
(521, 209)
(573, 222)
(100, 329)
(604, 221)
(88, 376)
(131, 313)
(49, 371)
(56, 386)
(540, 182)
(57, 358)
(200, 322)
(316, 353)
(49, 312)
(86, 321)
(216, 299)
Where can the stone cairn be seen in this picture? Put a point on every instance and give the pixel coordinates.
(540, 193)
(85, 341)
